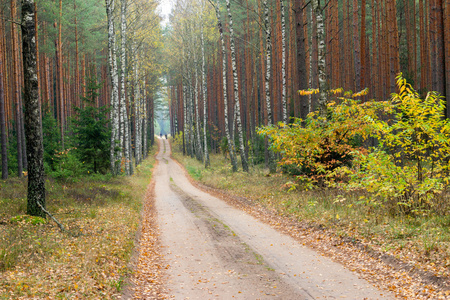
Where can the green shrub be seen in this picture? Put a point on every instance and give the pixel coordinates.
(410, 167)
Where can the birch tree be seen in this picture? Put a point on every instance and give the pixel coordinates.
(321, 63)
(231, 146)
(271, 160)
(198, 150)
(124, 130)
(204, 90)
(115, 86)
(283, 64)
(237, 107)
(33, 124)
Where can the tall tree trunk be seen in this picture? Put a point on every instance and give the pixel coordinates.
(231, 146)
(356, 47)
(198, 150)
(363, 45)
(3, 136)
(237, 107)
(114, 115)
(271, 157)
(125, 141)
(60, 78)
(16, 90)
(204, 94)
(321, 59)
(301, 63)
(33, 127)
(137, 111)
(283, 64)
(447, 53)
(440, 49)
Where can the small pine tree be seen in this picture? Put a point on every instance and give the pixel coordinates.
(91, 133)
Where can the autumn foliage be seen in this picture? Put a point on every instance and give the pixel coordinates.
(406, 171)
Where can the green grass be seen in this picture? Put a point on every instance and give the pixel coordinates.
(101, 216)
(424, 239)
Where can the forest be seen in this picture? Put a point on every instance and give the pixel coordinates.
(341, 98)
(323, 89)
(81, 61)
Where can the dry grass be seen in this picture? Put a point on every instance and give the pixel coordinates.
(421, 242)
(38, 261)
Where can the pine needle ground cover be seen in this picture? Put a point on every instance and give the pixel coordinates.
(90, 260)
(415, 249)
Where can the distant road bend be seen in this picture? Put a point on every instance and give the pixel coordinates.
(216, 251)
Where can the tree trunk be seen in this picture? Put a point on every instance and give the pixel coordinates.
(271, 157)
(231, 146)
(237, 107)
(198, 150)
(3, 136)
(60, 77)
(204, 94)
(137, 111)
(356, 47)
(283, 64)
(321, 60)
(114, 115)
(16, 90)
(363, 45)
(33, 128)
(125, 141)
(301, 64)
(440, 49)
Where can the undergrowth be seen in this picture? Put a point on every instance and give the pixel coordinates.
(101, 216)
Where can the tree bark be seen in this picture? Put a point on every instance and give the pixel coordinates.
(237, 107)
(271, 157)
(231, 146)
(283, 64)
(33, 128)
(321, 59)
(204, 94)
(301, 63)
(16, 90)
(356, 47)
(114, 115)
(125, 141)
(3, 136)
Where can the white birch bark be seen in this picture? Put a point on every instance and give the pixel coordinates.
(145, 124)
(141, 117)
(225, 96)
(321, 61)
(283, 64)
(237, 107)
(137, 101)
(185, 123)
(198, 151)
(115, 86)
(125, 140)
(205, 116)
(271, 162)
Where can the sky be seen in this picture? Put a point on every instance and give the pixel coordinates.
(165, 6)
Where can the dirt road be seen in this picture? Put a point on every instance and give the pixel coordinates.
(215, 251)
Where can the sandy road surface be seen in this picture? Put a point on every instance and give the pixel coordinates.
(216, 251)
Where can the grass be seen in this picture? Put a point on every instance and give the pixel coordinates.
(423, 239)
(39, 261)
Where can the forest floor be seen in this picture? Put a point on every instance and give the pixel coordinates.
(101, 216)
(407, 257)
